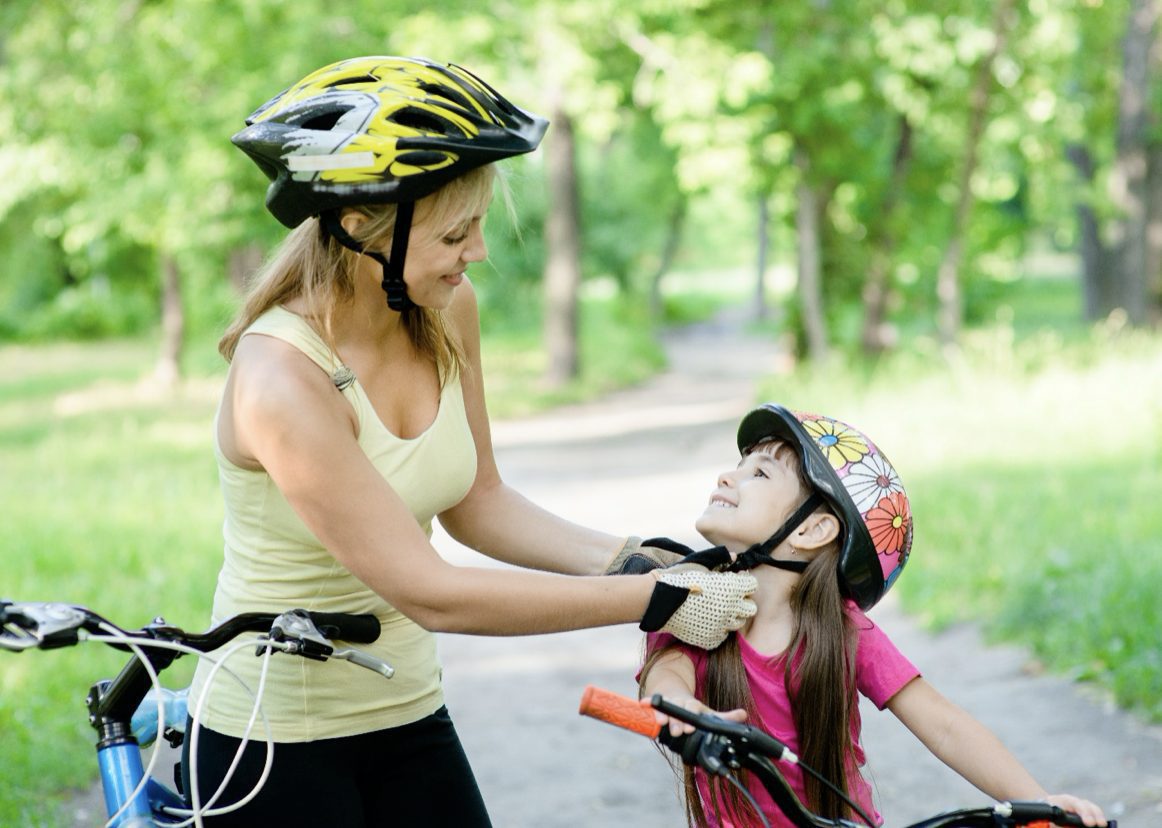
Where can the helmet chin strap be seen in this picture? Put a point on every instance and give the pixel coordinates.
(760, 553)
(393, 284)
(718, 557)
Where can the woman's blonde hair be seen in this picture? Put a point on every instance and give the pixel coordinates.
(310, 265)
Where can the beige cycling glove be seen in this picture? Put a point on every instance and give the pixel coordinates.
(700, 607)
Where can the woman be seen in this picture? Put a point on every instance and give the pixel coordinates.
(346, 425)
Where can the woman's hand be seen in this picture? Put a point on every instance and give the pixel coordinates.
(679, 727)
(1090, 813)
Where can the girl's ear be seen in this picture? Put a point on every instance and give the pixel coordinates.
(818, 530)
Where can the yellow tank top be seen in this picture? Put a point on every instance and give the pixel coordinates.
(273, 563)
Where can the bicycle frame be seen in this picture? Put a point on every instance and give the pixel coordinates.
(121, 775)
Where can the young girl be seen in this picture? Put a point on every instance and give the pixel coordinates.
(842, 532)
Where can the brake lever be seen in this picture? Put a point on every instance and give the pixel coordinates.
(742, 735)
(370, 662)
(25, 626)
(299, 635)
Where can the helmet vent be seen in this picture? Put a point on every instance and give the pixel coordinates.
(324, 122)
(353, 81)
(420, 120)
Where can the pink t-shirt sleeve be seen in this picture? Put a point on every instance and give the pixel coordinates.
(881, 670)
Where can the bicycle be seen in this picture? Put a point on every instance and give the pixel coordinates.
(134, 798)
(723, 748)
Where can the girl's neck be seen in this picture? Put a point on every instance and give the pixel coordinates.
(769, 631)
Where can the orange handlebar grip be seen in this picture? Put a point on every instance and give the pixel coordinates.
(619, 710)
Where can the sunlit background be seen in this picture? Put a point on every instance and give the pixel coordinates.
(944, 214)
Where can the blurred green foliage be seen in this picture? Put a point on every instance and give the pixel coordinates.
(115, 117)
(1033, 456)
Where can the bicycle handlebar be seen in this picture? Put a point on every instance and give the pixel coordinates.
(745, 745)
(45, 626)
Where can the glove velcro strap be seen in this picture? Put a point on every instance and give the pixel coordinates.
(639, 563)
(663, 604)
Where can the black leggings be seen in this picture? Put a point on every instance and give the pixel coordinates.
(416, 774)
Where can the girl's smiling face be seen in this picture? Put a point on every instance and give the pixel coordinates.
(751, 502)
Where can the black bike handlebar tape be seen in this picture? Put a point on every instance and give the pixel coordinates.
(342, 626)
(619, 710)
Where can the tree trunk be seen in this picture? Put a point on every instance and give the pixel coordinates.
(242, 264)
(948, 291)
(1154, 235)
(808, 212)
(563, 256)
(1129, 182)
(669, 253)
(168, 368)
(764, 245)
(1096, 288)
(877, 336)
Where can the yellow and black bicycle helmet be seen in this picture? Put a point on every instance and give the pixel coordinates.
(372, 130)
(379, 130)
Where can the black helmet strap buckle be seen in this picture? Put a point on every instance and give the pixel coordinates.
(393, 284)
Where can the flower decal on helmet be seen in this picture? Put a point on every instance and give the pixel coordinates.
(888, 521)
(873, 485)
(839, 443)
(871, 480)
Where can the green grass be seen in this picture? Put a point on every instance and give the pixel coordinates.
(109, 497)
(1034, 468)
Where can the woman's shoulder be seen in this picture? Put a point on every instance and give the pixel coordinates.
(274, 368)
(295, 333)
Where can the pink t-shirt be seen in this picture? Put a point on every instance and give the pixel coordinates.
(881, 671)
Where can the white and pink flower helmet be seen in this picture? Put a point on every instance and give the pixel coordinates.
(859, 483)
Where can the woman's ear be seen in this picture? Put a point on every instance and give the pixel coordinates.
(818, 530)
(351, 219)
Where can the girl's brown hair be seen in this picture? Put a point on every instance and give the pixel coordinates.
(311, 265)
(819, 674)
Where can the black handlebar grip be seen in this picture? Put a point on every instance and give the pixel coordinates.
(1025, 812)
(342, 626)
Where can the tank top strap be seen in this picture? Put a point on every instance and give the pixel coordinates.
(294, 330)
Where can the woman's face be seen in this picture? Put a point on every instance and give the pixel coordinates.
(438, 254)
(751, 502)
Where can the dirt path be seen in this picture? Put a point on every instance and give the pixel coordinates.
(642, 461)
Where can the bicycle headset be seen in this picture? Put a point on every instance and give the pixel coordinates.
(375, 130)
(850, 474)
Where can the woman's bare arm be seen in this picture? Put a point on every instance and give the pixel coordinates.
(300, 430)
(495, 519)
